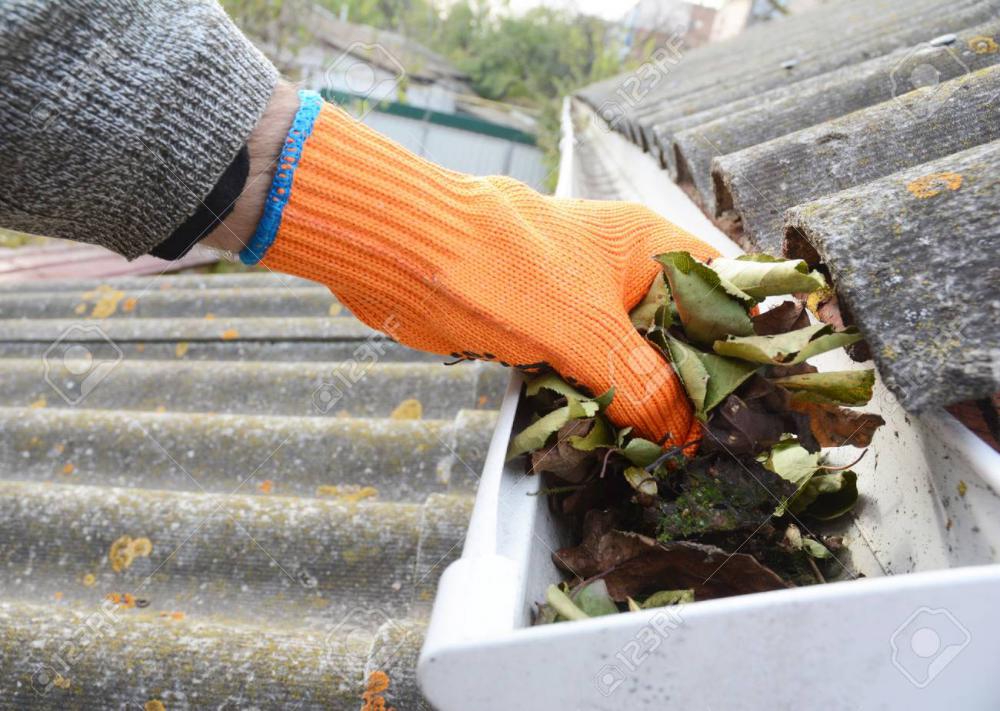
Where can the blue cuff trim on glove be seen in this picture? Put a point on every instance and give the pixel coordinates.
(281, 187)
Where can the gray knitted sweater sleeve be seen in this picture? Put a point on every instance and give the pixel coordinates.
(117, 117)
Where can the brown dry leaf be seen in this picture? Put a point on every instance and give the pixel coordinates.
(742, 427)
(562, 458)
(786, 316)
(835, 426)
(632, 565)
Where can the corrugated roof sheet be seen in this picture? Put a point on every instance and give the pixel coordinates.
(234, 422)
(855, 121)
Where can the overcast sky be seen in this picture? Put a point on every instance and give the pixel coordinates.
(608, 9)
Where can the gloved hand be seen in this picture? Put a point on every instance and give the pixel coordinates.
(474, 267)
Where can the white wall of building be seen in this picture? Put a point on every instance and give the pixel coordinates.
(464, 150)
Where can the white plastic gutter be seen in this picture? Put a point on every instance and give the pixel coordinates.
(918, 628)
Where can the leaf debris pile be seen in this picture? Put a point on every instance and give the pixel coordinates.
(659, 528)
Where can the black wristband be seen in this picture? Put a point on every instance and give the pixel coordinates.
(212, 210)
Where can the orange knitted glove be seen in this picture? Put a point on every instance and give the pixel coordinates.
(473, 267)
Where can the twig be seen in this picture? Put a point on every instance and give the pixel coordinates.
(670, 453)
(846, 466)
(557, 490)
(600, 575)
(815, 569)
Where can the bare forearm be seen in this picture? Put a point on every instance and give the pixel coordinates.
(264, 147)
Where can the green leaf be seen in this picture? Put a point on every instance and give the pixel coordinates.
(708, 308)
(835, 387)
(604, 399)
(644, 315)
(535, 435)
(562, 604)
(724, 376)
(711, 377)
(594, 600)
(827, 496)
(641, 452)
(789, 348)
(664, 598)
(600, 435)
(641, 480)
(761, 275)
(815, 548)
(793, 463)
(553, 382)
(692, 373)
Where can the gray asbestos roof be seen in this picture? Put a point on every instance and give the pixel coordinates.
(862, 134)
(237, 424)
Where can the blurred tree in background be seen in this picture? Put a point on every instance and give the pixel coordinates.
(530, 60)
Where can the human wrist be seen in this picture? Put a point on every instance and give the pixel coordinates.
(264, 147)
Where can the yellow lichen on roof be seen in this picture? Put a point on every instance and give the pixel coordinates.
(348, 493)
(107, 303)
(932, 184)
(126, 549)
(378, 684)
(983, 45)
(410, 409)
